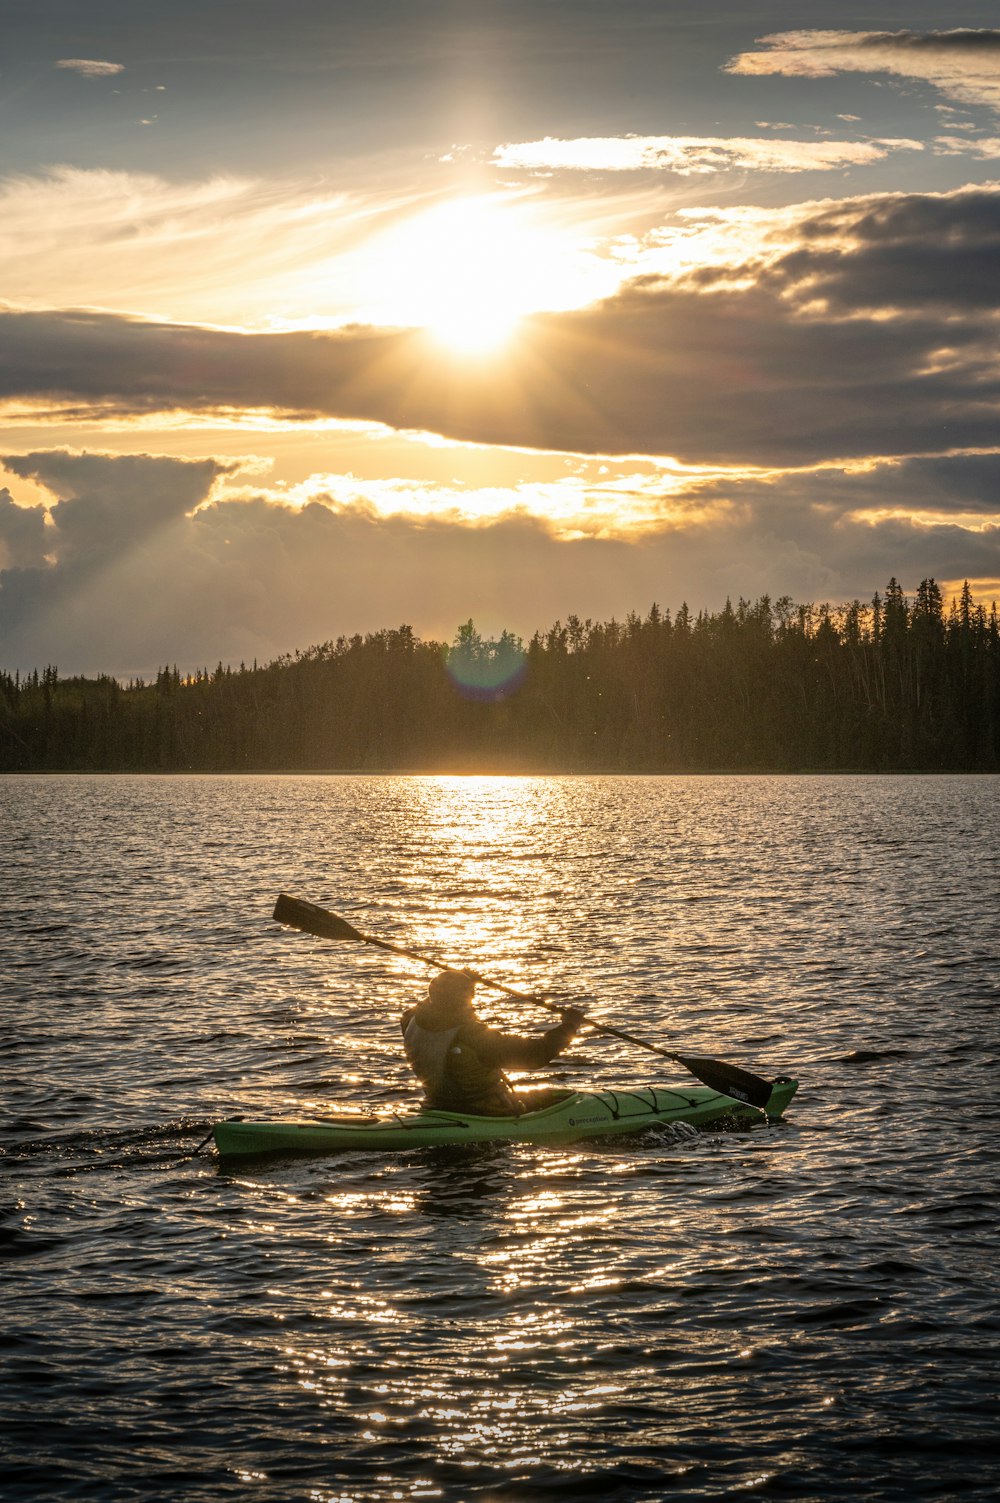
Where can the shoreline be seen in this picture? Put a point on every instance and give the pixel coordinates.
(464, 772)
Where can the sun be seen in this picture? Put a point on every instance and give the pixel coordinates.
(470, 264)
(468, 270)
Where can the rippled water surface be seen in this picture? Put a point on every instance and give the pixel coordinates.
(805, 1310)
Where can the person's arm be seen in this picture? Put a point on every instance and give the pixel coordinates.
(513, 1051)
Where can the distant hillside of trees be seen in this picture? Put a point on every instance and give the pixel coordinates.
(895, 684)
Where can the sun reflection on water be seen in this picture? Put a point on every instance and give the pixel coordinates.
(485, 845)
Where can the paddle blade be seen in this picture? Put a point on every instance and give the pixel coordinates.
(312, 919)
(729, 1079)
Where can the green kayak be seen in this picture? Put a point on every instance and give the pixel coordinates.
(581, 1114)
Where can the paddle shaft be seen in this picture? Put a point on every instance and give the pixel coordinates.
(326, 925)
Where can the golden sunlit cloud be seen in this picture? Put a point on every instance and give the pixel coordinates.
(962, 63)
(589, 504)
(693, 154)
(916, 516)
(104, 418)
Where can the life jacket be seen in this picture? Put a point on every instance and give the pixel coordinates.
(427, 1051)
(453, 1076)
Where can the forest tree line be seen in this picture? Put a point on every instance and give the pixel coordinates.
(898, 683)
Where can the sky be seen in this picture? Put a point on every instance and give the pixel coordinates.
(318, 318)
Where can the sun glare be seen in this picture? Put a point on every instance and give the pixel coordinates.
(469, 269)
(471, 266)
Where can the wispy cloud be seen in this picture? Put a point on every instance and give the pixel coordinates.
(985, 148)
(962, 63)
(688, 155)
(90, 67)
(225, 249)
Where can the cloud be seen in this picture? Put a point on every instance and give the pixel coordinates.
(830, 331)
(253, 577)
(922, 256)
(964, 64)
(620, 505)
(224, 249)
(692, 154)
(110, 503)
(90, 67)
(986, 148)
(932, 495)
(22, 534)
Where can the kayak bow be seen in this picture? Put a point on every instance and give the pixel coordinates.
(581, 1114)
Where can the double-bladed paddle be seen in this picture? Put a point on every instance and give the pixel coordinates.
(728, 1079)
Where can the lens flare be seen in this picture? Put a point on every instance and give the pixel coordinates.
(487, 669)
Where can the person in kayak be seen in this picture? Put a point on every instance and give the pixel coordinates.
(460, 1061)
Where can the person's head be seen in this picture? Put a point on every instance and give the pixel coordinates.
(452, 989)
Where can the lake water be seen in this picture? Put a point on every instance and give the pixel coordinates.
(807, 1310)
